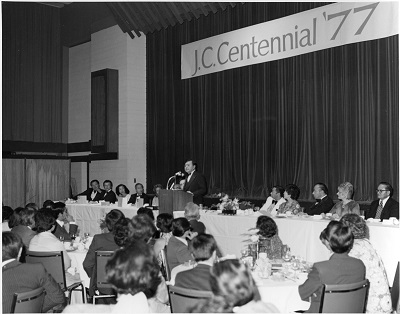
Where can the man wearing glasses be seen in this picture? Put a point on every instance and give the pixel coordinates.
(385, 206)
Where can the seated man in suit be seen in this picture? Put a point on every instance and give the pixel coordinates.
(204, 250)
(63, 220)
(196, 183)
(109, 195)
(339, 269)
(385, 206)
(139, 194)
(274, 201)
(323, 202)
(101, 242)
(94, 193)
(19, 277)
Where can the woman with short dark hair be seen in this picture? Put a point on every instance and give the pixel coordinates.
(339, 269)
(269, 241)
(379, 300)
(291, 194)
(123, 192)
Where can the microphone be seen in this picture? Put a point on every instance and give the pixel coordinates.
(179, 174)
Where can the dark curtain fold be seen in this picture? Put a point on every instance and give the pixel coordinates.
(329, 116)
(32, 68)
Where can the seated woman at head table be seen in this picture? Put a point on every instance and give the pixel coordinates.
(123, 192)
(347, 204)
(291, 194)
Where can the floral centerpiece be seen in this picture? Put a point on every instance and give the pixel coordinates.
(230, 206)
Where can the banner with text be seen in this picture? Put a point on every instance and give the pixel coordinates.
(321, 28)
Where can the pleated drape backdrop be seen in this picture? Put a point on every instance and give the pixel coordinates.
(329, 116)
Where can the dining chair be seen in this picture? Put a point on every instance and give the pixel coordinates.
(53, 262)
(346, 298)
(165, 265)
(395, 290)
(182, 299)
(101, 260)
(28, 302)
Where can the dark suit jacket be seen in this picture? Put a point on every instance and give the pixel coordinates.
(197, 226)
(110, 197)
(391, 209)
(177, 253)
(100, 242)
(25, 233)
(88, 193)
(197, 278)
(61, 231)
(324, 206)
(19, 277)
(146, 198)
(198, 186)
(339, 269)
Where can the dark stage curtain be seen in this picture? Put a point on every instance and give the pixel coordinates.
(329, 116)
(31, 73)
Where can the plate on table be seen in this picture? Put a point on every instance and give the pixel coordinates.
(70, 249)
(281, 216)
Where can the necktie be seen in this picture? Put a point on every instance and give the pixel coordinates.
(379, 210)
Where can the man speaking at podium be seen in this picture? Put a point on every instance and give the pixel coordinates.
(195, 182)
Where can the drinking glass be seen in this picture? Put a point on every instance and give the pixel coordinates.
(286, 256)
(61, 238)
(244, 252)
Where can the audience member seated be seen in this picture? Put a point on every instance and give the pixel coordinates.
(6, 214)
(32, 206)
(24, 229)
(48, 204)
(146, 211)
(109, 195)
(139, 194)
(274, 201)
(204, 249)
(18, 277)
(135, 274)
(323, 203)
(379, 299)
(164, 225)
(385, 206)
(235, 291)
(63, 220)
(291, 194)
(101, 242)
(339, 269)
(177, 249)
(347, 204)
(122, 191)
(192, 213)
(182, 182)
(46, 241)
(94, 193)
(15, 218)
(269, 242)
(155, 202)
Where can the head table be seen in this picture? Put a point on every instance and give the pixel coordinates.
(231, 232)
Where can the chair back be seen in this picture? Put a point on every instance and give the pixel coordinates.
(28, 302)
(165, 263)
(101, 260)
(182, 299)
(347, 298)
(395, 292)
(53, 262)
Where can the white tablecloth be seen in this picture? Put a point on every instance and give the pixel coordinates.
(77, 259)
(301, 234)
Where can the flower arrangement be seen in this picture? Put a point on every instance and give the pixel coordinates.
(230, 206)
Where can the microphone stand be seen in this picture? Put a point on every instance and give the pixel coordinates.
(168, 182)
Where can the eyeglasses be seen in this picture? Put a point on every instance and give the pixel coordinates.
(380, 191)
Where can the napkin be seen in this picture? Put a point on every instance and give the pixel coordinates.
(72, 271)
(227, 256)
(317, 217)
(88, 242)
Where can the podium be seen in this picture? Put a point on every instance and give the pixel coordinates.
(173, 200)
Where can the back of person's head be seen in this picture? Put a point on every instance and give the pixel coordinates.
(27, 217)
(59, 205)
(266, 226)
(34, 206)
(357, 225)
(12, 243)
(202, 247)
(143, 228)
(146, 211)
(48, 204)
(15, 218)
(323, 187)
(44, 220)
(134, 269)
(180, 226)
(112, 217)
(164, 222)
(233, 281)
(192, 211)
(122, 230)
(6, 213)
(339, 237)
